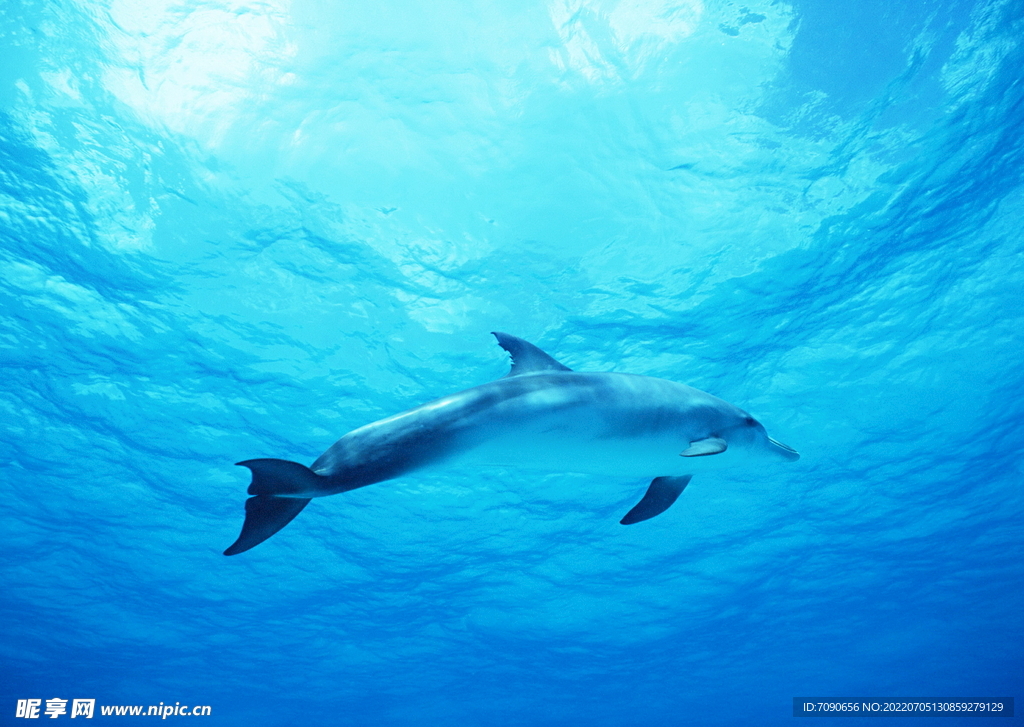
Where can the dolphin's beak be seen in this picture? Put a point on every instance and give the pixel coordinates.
(788, 452)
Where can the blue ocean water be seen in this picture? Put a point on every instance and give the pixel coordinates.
(240, 228)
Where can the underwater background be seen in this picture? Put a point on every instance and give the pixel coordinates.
(241, 228)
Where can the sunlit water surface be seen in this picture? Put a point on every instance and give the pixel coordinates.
(236, 229)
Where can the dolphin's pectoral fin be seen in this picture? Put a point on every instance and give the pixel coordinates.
(704, 447)
(526, 358)
(264, 516)
(658, 498)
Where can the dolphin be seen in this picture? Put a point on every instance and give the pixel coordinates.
(541, 415)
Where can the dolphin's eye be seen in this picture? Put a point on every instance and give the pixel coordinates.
(750, 421)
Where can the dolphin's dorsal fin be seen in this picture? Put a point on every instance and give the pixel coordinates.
(526, 358)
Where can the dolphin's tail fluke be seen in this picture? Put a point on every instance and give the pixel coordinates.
(281, 490)
(283, 478)
(264, 516)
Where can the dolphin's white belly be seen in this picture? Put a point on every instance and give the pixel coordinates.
(591, 438)
(554, 452)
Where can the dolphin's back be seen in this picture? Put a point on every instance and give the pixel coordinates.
(581, 422)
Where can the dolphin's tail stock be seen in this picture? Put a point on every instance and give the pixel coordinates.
(281, 490)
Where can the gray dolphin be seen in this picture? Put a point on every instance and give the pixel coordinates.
(541, 415)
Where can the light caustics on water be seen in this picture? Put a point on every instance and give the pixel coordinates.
(241, 229)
